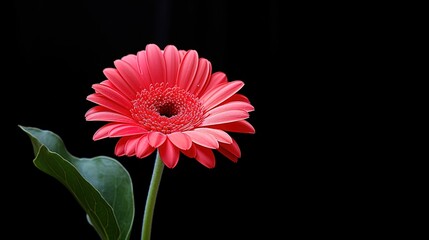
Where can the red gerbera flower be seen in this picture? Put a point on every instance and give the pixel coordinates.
(171, 101)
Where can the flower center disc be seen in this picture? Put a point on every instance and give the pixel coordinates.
(167, 109)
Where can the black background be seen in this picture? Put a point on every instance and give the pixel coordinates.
(283, 186)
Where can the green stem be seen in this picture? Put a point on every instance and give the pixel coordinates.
(151, 197)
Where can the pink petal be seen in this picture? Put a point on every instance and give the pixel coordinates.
(172, 62)
(235, 105)
(201, 77)
(219, 94)
(238, 97)
(107, 83)
(220, 135)
(203, 139)
(130, 146)
(216, 79)
(120, 84)
(120, 146)
(232, 148)
(96, 109)
(155, 63)
(109, 117)
(225, 117)
(109, 104)
(241, 126)
(182, 53)
(143, 148)
(129, 74)
(206, 157)
(169, 154)
(180, 140)
(156, 139)
(145, 79)
(131, 59)
(112, 94)
(187, 70)
(127, 130)
(103, 132)
(191, 152)
(228, 155)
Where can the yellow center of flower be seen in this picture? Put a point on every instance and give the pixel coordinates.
(167, 109)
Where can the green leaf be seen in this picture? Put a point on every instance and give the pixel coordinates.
(101, 185)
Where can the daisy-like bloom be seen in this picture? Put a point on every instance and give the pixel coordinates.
(171, 101)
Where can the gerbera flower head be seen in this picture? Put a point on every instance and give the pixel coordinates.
(171, 101)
